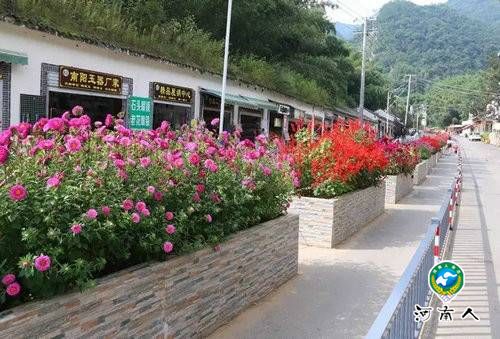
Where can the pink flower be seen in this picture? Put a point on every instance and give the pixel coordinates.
(196, 197)
(248, 183)
(78, 168)
(42, 263)
(13, 289)
(200, 188)
(18, 192)
(136, 218)
(266, 170)
(145, 212)
(119, 163)
(168, 247)
(91, 214)
(191, 147)
(73, 145)
(215, 122)
(215, 198)
(211, 150)
(208, 217)
(145, 162)
(109, 120)
(211, 165)
(128, 204)
(125, 141)
(170, 229)
(169, 216)
(53, 181)
(4, 155)
(194, 159)
(76, 229)
(151, 189)
(77, 110)
(46, 144)
(54, 124)
(140, 205)
(106, 210)
(178, 163)
(8, 279)
(157, 195)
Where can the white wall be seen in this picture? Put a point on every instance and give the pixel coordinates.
(46, 48)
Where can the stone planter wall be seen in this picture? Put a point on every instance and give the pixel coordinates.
(328, 222)
(187, 297)
(396, 187)
(420, 172)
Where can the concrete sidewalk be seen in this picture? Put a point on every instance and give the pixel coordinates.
(476, 246)
(339, 292)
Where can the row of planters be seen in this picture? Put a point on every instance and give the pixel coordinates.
(168, 233)
(347, 176)
(171, 233)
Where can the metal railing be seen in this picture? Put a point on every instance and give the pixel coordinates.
(395, 319)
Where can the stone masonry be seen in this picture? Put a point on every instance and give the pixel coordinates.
(185, 297)
(328, 222)
(396, 187)
(420, 172)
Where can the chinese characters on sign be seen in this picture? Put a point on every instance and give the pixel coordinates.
(82, 79)
(140, 111)
(423, 314)
(165, 92)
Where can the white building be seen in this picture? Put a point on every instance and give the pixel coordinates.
(42, 74)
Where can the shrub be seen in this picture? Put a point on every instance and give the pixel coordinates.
(403, 158)
(78, 203)
(343, 159)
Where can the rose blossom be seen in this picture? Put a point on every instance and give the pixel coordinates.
(8, 279)
(157, 195)
(200, 188)
(128, 204)
(76, 228)
(18, 192)
(151, 189)
(46, 144)
(73, 145)
(91, 213)
(167, 247)
(209, 218)
(140, 205)
(42, 263)
(215, 122)
(77, 110)
(211, 165)
(170, 229)
(136, 218)
(106, 210)
(53, 181)
(145, 212)
(13, 289)
(145, 162)
(194, 159)
(169, 216)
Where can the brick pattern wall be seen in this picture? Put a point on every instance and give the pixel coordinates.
(186, 297)
(420, 172)
(328, 222)
(396, 187)
(5, 74)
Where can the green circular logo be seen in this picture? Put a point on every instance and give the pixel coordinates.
(446, 280)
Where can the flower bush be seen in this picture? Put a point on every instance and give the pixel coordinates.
(79, 202)
(403, 158)
(343, 159)
(434, 142)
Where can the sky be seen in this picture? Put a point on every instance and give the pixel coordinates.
(350, 9)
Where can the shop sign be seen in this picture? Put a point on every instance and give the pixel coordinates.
(165, 92)
(283, 109)
(140, 113)
(85, 80)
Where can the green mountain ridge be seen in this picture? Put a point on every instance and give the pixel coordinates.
(433, 41)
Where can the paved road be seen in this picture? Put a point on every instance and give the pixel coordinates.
(339, 292)
(477, 245)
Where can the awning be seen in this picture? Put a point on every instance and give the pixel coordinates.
(13, 57)
(243, 101)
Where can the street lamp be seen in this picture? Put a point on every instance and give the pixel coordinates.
(224, 72)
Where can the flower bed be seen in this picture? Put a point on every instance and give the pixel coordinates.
(328, 222)
(337, 170)
(186, 297)
(81, 202)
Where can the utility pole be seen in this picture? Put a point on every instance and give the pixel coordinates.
(387, 109)
(362, 89)
(224, 72)
(408, 98)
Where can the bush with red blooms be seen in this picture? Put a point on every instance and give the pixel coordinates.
(343, 159)
(435, 141)
(403, 158)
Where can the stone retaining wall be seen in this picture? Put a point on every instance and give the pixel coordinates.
(396, 187)
(328, 222)
(420, 172)
(186, 297)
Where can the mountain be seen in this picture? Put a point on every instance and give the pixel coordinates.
(432, 41)
(486, 11)
(346, 31)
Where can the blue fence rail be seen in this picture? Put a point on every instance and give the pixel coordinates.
(395, 320)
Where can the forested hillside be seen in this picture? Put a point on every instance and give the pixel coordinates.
(431, 41)
(486, 11)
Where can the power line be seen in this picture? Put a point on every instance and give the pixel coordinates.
(456, 88)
